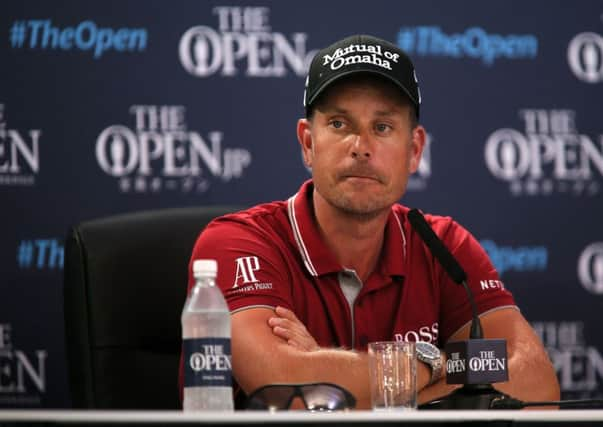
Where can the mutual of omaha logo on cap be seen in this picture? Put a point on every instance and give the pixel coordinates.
(361, 54)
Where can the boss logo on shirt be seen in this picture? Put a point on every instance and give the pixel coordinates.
(426, 333)
(245, 278)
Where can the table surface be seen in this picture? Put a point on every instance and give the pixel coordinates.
(292, 417)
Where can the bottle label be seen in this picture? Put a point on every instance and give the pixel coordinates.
(207, 362)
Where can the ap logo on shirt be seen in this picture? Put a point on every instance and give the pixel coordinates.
(245, 279)
(246, 268)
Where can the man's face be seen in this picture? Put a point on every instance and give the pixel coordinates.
(360, 146)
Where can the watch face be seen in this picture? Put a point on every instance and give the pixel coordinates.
(427, 350)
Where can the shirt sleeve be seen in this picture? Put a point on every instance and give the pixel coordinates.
(251, 270)
(488, 290)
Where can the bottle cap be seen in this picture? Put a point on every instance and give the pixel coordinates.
(205, 267)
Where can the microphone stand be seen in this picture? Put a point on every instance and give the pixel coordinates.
(469, 396)
(483, 395)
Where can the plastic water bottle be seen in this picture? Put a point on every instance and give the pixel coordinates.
(206, 343)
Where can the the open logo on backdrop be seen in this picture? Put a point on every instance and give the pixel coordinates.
(22, 373)
(578, 363)
(243, 43)
(19, 154)
(160, 153)
(549, 156)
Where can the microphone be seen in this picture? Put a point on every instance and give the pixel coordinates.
(475, 363)
(448, 263)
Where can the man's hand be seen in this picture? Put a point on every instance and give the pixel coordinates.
(288, 327)
(260, 357)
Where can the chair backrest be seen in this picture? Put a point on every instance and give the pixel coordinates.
(125, 281)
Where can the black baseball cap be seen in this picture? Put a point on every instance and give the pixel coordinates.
(361, 54)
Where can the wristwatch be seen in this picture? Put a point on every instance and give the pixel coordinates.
(431, 356)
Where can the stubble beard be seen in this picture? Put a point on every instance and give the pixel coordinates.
(361, 210)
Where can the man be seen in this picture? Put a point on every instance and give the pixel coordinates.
(312, 280)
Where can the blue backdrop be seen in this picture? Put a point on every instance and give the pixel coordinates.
(112, 106)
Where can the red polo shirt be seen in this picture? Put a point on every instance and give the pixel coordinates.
(273, 254)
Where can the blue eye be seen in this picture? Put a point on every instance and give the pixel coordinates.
(382, 127)
(337, 124)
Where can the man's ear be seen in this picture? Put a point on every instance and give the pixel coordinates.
(417, 145)
(304, 137)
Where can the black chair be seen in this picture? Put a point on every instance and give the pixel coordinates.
(125, 282)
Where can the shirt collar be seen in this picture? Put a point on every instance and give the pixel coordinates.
(319, 260)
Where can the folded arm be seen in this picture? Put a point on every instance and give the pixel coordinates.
(261, 356)
(531, 374)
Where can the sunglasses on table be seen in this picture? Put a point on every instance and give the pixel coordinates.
(315, 397)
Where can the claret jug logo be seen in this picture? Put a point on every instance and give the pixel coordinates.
(585, 57)
(549, 156)
(161, 153)
(19, 154)
(244, 42)
(590, 268)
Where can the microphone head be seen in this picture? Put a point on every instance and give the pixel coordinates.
(476, 361)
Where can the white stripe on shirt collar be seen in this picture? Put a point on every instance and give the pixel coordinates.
(298, 237)
(402, 233)
(300, 242)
